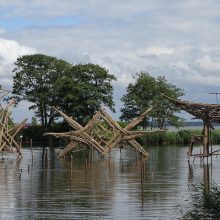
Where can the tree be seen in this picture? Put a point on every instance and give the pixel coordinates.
(165, 110)
(84, 90)
(78, 90)
(147, 91)
(34, 80)
(33, 121)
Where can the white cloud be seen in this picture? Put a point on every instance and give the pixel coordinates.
(10, 50)
(210, 64)
(178, 39)
(156, 51)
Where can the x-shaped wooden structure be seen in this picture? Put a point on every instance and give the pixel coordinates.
(102, 133)
(8, 130)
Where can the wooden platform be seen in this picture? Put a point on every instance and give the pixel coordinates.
(208, 113)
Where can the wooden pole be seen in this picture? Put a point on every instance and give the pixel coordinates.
(206, 139)
(32, 156)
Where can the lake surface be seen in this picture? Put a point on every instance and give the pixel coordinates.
(120, 187)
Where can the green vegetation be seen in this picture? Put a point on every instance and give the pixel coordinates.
(78, 90)
(181, 137)
(34, 80)
(33, 121)
(83, 90)
(204, 203)
(169, 137)
(36, 133)
(147, 91)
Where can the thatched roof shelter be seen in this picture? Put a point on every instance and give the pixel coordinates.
(203, 111)
(208, 113)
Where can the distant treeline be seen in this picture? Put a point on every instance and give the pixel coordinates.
(36, 134)
(181, 137)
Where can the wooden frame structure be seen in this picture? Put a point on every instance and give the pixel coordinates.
(208, 113)
(102, 133)
(9, 130)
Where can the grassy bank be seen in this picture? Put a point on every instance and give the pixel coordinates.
(181, 137)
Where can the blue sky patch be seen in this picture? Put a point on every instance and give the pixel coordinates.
(19, 22)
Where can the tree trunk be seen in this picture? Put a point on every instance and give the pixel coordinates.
(45, 115)
(51, 119)
(42, 117)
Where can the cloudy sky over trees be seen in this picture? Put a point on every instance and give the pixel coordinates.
(178, 39)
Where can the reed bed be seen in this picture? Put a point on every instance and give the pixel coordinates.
(181, 137)
(204, 203)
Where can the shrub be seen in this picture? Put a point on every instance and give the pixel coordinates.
(205, 202)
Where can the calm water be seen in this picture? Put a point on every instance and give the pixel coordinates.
(110, 188)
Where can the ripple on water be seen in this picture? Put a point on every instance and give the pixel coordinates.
(110, 188)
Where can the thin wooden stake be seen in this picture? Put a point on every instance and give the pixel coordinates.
(32, 156)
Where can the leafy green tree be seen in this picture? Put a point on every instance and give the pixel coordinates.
(33, 121)
(147, 91)
(165, 110)
(84, 90)
(78, 90)
(34, 80)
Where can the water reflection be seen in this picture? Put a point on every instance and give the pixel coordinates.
(122, 186)
(206, 167)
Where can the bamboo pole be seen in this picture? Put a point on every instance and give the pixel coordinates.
(138, 120)
(206, 139)
(32, 156)
(89, 136)
(7, 134)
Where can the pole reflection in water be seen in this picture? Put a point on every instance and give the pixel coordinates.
(190, 174)
(142, 180)
(206, 166)
(206, 176)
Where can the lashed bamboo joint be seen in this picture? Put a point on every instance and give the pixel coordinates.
(208, 113)
(102, 133)
(9, 130)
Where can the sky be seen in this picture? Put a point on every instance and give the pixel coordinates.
(178, 39)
